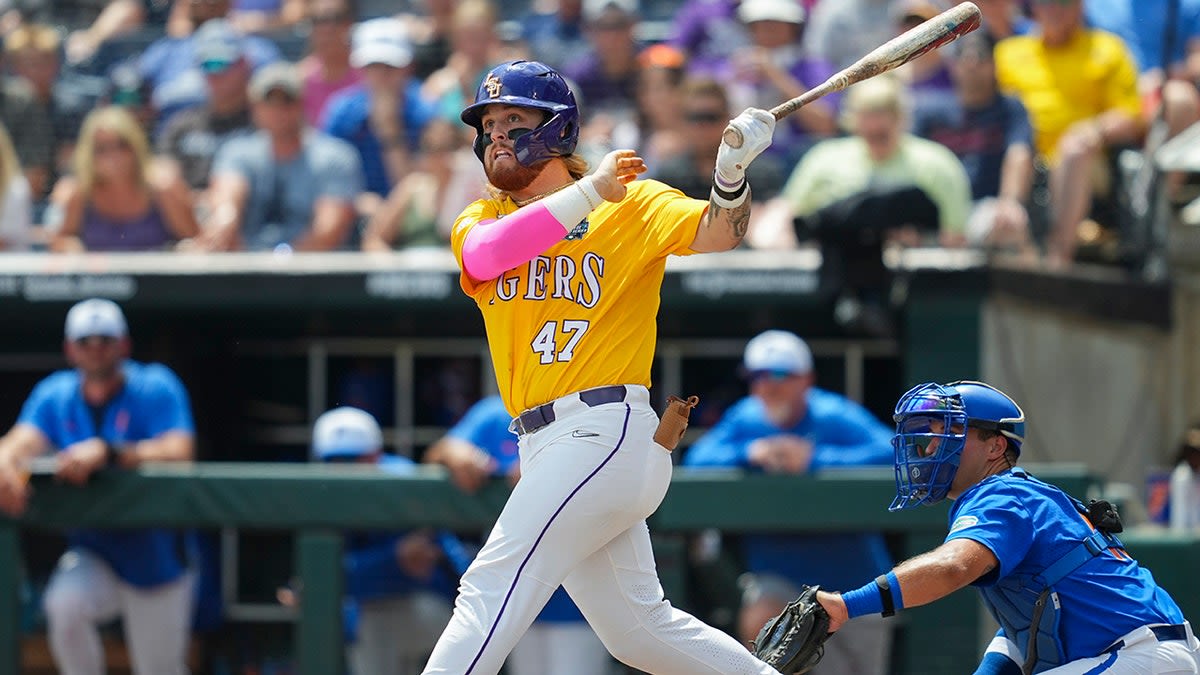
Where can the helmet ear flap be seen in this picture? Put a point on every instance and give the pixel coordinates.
(482, 141)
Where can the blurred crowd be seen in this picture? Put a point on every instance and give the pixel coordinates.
(215, 125)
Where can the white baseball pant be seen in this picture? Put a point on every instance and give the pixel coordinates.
(577, 518)
(84, 592)
(1142, 653)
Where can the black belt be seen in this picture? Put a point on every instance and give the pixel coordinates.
(1168, 633)
(535, 418)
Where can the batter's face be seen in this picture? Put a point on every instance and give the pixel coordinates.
(784, 396)
(499, 158)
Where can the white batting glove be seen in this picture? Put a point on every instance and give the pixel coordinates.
(756, 126)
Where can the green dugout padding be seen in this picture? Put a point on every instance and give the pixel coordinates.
(318, 501)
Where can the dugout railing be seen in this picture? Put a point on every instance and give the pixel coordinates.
(319, 502)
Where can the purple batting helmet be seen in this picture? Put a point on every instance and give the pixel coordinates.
(528, 84)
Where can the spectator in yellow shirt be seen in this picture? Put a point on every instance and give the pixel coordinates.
(1080, 88)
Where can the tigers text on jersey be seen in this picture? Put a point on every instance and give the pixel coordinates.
(583, 313)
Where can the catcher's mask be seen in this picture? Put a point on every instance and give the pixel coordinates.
(931, 431)
(528, 84)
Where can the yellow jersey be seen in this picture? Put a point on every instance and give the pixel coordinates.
(584, 313)
(1092, 73)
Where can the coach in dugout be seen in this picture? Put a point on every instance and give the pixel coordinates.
(108, 411)
(789, 426)
(398, 584)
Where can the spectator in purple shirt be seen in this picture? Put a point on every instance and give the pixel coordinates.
(119, 199)
(709, 32)
(775, 68)
(605, 76)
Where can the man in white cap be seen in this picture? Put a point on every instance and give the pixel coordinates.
(108, 411)
(383, 116)
(787, 425)
(398, 584)
(777, 66)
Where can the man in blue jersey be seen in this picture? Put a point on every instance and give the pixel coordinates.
(398, 584)
(787, 425)
(560, 640)
(1068, 598)
(108, 411)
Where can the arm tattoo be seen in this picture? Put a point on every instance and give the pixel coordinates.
(738, 216)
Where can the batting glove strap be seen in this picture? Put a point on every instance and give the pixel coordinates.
(728, 198)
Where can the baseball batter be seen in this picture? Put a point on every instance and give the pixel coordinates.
(566, 269)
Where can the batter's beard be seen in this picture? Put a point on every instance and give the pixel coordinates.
(515, 178)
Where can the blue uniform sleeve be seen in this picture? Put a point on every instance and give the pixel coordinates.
(38, 410)
(996, 516)
(482, 423)
(726, 443)
(851, 436)
(485, 426)
(167, 406)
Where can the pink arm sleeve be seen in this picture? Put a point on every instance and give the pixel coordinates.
(495, 246)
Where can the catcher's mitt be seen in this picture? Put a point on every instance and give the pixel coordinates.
(794, 641)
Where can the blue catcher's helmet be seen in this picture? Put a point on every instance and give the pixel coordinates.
(926, 461)
(529, 84)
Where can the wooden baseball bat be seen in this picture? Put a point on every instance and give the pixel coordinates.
(936, 32)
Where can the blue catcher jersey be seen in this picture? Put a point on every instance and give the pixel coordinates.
(1029, 525)
(152, 402)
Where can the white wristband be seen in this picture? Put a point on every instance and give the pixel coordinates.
(571, 206)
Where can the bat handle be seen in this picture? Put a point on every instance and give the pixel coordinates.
(733, 137)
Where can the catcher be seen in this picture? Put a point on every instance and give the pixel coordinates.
(1068, 598)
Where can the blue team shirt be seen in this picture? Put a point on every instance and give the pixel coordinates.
(486, 426)
(152, 402)
(844, 434)
(1029, 525)
(347, 116)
